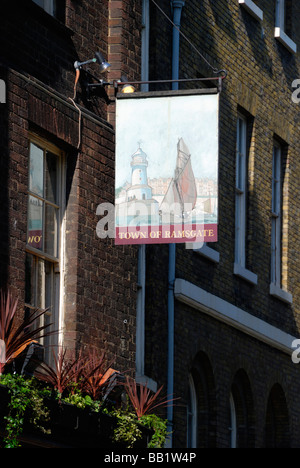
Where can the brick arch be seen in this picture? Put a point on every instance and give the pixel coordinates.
(244, 410)
(277, 431)
(202, 374)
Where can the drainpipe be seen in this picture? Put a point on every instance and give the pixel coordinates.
(176, 6)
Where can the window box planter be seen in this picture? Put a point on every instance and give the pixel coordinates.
(70, 427)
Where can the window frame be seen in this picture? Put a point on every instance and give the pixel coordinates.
(253, 9)
(240, 191)
(280, 22)
(241, 188)
(46, 146)
(277, 215)
(191, 414)
(40, 257)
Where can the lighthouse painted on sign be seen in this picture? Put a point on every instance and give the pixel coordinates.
(139, 189)
(135, 203)
(167, 182)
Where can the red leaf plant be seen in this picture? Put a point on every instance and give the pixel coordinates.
(62, 373)
(14, 338)
(96, 375)
(90, 374)
(143, 400)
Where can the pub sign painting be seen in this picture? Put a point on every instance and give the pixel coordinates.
(166, 182)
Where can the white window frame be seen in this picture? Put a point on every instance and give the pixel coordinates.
(205, 251)
(253, 9)
(240, 202)
(192, 409)
(240, 191)
(57, 263)
(280, 32)
(276, 228)
(276, 231)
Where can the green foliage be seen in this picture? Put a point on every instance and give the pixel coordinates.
(127, 431)
(82, 401)
(25, 397)
(27, 400)
(159, 426)
(129, 426)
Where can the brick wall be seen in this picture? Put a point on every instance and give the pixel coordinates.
(260, 74)
(100, 288)
(124, 43)
(38, 53)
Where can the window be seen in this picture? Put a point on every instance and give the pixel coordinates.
(233, 429)
(201, 405)
(278, 283)
(192, 415)
(283, 16)
(53, 7)
(241, 412)
(276, 218)
(240, 267)
(240, 189)
(43, 232)
(277, 430)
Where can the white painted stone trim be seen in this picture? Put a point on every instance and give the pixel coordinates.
(281, 294)
(208, 253)
(242, 272)
(285, 40)
(223, 311)
(253, 9)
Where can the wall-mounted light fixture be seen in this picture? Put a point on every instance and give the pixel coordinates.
(127, 87)
(98, 58)
(123, 85)
(91, 83)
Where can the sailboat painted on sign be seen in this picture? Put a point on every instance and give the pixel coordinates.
(181, 196)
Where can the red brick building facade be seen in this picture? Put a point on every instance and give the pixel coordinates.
(227, 352)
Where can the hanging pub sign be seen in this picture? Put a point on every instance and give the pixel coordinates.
(166, 188)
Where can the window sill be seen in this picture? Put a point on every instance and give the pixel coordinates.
(45, 18)
(285, 40)
(279, 293)
(253, 9)
(209, 253)
(144, 380)
(245, 274)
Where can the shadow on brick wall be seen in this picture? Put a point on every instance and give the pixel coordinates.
(4, 221)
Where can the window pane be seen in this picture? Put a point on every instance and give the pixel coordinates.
(240, 174)
(241, 154)
(40, 297)
(29, 280)
(51, 217)
(36, 174)
(276, 189)
(35, 223)
(49, 298)
(49, 286)
(51, 178)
